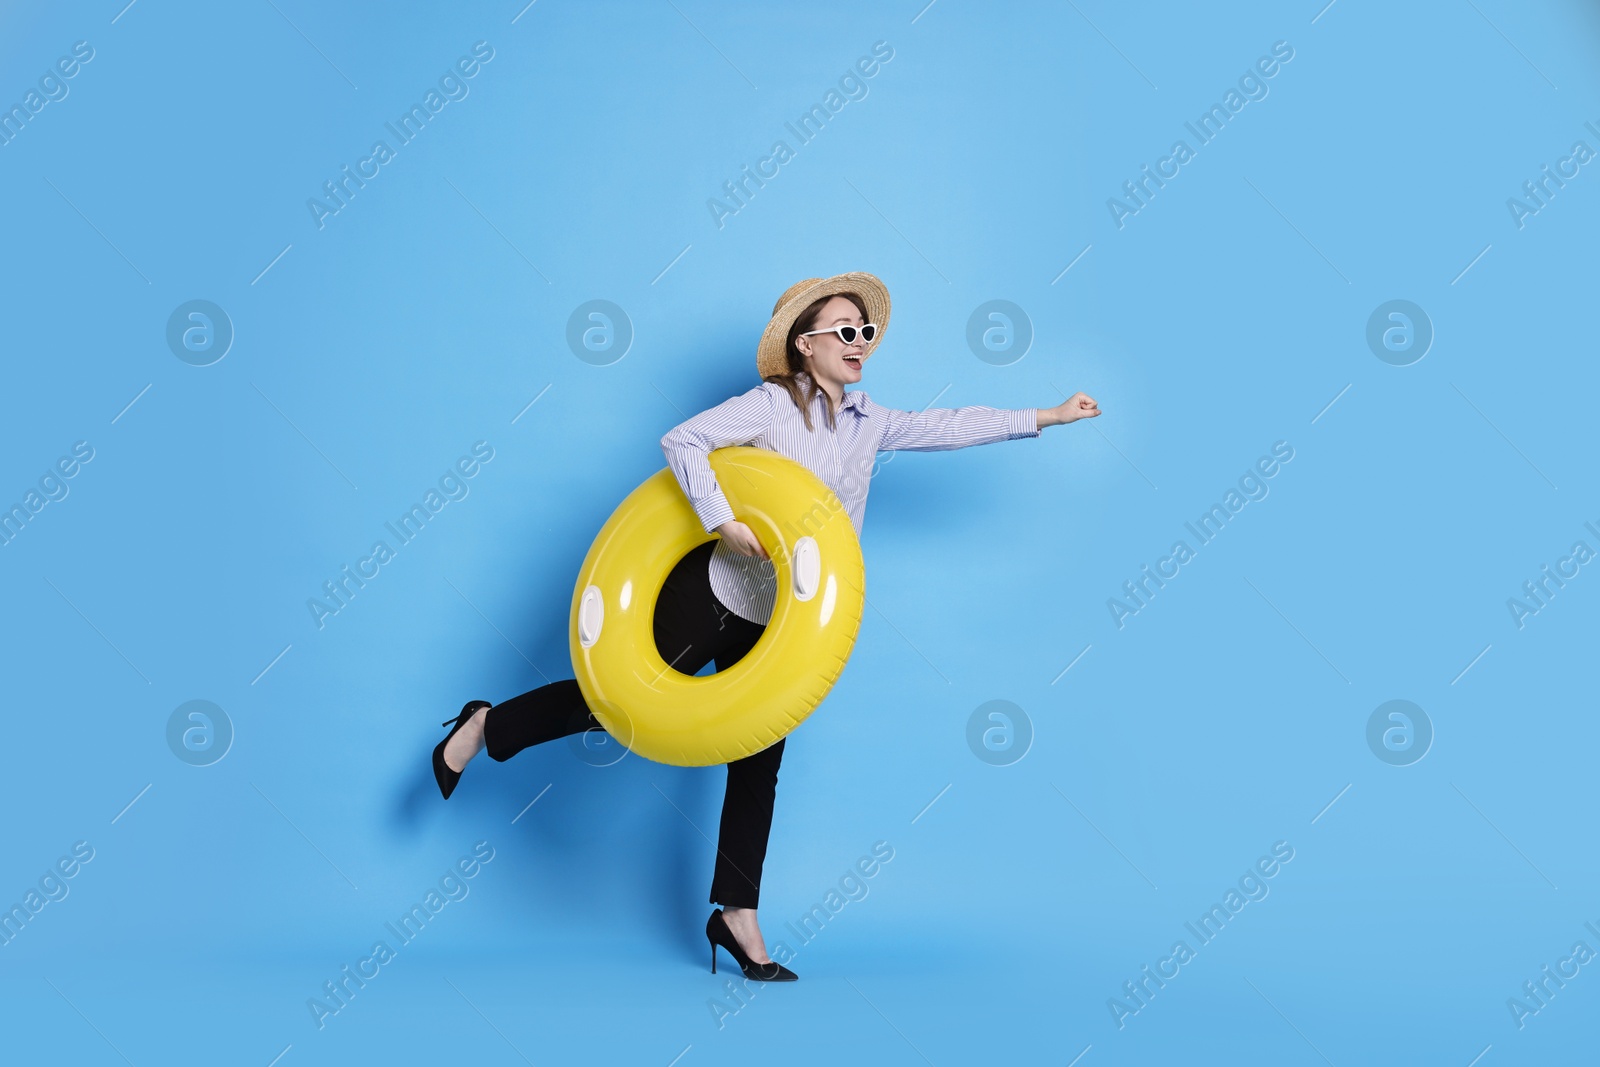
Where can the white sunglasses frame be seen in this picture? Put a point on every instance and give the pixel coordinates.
(877, 332)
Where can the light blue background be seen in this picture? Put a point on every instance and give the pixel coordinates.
(425, 316)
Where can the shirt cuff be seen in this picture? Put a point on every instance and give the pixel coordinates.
(1023, 422)
(713, 512)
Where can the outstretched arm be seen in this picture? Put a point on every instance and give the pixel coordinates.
(940, 429)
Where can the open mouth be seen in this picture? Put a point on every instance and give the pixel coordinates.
(853, 359)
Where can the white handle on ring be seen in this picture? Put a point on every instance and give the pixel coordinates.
(806, 560)
(591, 616)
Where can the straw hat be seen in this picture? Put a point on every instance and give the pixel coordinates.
(771, 355)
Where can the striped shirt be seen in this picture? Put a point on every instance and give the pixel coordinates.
(843, 458)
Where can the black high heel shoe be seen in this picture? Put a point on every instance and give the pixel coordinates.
(442, 773)
(718, 933)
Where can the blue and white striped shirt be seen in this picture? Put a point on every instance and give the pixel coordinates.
(842, 458)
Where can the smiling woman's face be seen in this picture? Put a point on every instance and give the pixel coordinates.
(828, 358)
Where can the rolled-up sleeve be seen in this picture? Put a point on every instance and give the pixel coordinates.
(939, 429)
(739, 420)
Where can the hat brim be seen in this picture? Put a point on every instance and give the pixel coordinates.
(771, 355)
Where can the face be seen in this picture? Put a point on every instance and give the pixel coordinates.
(827, 357)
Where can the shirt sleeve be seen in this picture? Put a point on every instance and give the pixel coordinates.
(940, 429)
(739, 420)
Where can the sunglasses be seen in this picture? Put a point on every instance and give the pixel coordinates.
(847, 334)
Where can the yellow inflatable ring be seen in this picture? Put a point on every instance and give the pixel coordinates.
(672, 717)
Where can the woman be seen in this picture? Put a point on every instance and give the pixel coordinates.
(717, 600)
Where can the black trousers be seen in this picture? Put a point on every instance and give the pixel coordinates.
(692, 628)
